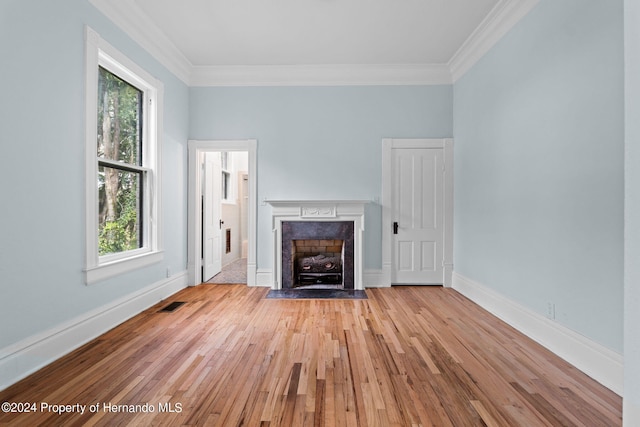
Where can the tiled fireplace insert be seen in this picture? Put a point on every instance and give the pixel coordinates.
(318, 253)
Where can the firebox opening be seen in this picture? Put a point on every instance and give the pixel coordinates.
(317, 262)
(332, 239)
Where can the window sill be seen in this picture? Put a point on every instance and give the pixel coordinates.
(114, 268)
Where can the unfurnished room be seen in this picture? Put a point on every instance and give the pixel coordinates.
(320, 212)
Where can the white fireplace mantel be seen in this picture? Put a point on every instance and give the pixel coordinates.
(318, 210)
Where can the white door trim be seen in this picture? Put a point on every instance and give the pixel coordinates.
(194, 226)
(389, 144)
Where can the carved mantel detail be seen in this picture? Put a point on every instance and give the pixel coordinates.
(318, 212)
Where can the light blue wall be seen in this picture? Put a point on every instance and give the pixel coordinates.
(42, 239)
(538, 128)
(320, 142)
(632, 215)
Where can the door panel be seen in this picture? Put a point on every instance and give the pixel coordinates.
(429, 256)
(418, 207)
(405, 256)
(212, 214)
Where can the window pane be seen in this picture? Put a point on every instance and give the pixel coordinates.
(225, 160)
(225, 185)
(119, 119)
(120, 201)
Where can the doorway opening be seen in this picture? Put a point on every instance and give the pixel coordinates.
(225, 197)
(222, 212)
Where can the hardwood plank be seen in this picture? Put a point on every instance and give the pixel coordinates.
(423, 356)
(543, 407)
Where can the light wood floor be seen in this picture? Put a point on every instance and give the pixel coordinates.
(407, 356)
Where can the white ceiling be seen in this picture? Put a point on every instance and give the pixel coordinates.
(214, 38)
(304, 32)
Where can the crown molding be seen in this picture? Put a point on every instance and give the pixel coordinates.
(321, 75)
(136, 24)
(504, 15)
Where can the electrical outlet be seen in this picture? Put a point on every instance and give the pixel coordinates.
(168, 272)
(551, 310)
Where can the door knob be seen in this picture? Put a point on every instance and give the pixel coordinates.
(395, 227)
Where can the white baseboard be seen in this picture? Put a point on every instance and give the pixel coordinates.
(264, 277)
(252, 273)
(595, 360)
(23, 358)
(374, 279)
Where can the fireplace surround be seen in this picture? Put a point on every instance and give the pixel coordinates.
(329, 230)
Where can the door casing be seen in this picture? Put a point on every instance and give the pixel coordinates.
(194, 222)
(389, 144)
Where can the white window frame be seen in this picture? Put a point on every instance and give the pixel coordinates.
(99, 53)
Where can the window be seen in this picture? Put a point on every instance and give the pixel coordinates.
(123, 104)
(226, 178)
(120, 172)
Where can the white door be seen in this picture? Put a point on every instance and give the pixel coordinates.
(417, 215)
(211, 216)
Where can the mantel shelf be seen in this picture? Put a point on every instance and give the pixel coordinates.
(315, 202)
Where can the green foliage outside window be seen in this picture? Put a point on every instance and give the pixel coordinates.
(119, 143)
